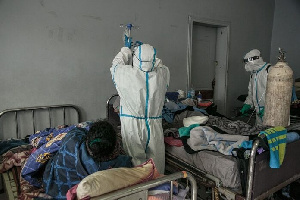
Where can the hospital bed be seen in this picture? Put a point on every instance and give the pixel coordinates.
(20, 122)
(222, 173)
(17, 123)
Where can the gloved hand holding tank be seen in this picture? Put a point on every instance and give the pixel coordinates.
(245, 109)
(261, 112)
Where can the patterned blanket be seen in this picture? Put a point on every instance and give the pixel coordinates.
(72, 163)
(47, 143)
(234, 127)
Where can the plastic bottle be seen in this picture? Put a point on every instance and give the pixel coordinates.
(199, 97)
(192, 92)
(188, 94)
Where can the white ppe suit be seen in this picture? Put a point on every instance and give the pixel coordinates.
(258, 81)
(141, 81)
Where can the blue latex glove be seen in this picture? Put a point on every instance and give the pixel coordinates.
(245, 109)
(128, 41)
(294, 95)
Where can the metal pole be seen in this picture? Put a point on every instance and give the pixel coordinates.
(251, 170)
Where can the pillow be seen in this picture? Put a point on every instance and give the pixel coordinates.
(194, 120)
(106, 181)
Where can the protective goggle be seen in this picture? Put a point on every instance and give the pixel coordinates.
(250, 59)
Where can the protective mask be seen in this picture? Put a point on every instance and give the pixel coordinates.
(253, 63)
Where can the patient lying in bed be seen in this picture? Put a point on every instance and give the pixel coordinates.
(82, 151)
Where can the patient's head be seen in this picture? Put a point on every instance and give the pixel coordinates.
(102, 141)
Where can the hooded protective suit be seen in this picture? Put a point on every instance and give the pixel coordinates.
(257, 84)
(141, 86)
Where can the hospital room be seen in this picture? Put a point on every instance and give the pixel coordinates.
(150, 100)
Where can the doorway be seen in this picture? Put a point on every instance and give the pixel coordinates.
(208, 44)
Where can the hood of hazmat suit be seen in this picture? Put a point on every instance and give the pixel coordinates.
(253, 61)
(144, 57)
(141, 81)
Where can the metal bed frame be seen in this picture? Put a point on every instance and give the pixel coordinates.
(262, 181)
(35, 109)
(110, 114)
(8, 177)
(139, 191)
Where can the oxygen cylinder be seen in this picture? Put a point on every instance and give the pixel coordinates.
(278, 94)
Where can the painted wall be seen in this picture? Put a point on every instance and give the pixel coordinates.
(57, 52)
(286, 29)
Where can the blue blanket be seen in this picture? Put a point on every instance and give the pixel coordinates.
(72, 163)
(48, 141)
(41, 137)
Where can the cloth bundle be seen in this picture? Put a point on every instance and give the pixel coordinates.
(277, 143)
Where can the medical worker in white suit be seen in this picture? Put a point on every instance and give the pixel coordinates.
(141, 81)
(257, 85)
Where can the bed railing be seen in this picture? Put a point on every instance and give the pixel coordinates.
(108, 102)
(126, 192)
(262, 180)
(33, 110)
(111, 115)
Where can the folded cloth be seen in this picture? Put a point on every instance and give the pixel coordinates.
(173, 96)
(292, 136)
(9, 144)
(247, 144)
(185, 131)
(173, 142)
(194, 120)
(205, 138)
(163, 188)
(277, 142)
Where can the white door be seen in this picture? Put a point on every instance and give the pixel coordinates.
(208, 43)
(203, 57)
(220, 91)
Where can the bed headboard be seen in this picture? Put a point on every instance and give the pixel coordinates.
(19, 122)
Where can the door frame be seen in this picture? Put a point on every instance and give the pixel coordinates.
(211, 23)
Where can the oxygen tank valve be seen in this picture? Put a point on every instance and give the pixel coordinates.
(281, 57)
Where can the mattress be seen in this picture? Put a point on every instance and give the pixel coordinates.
(214, 163)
